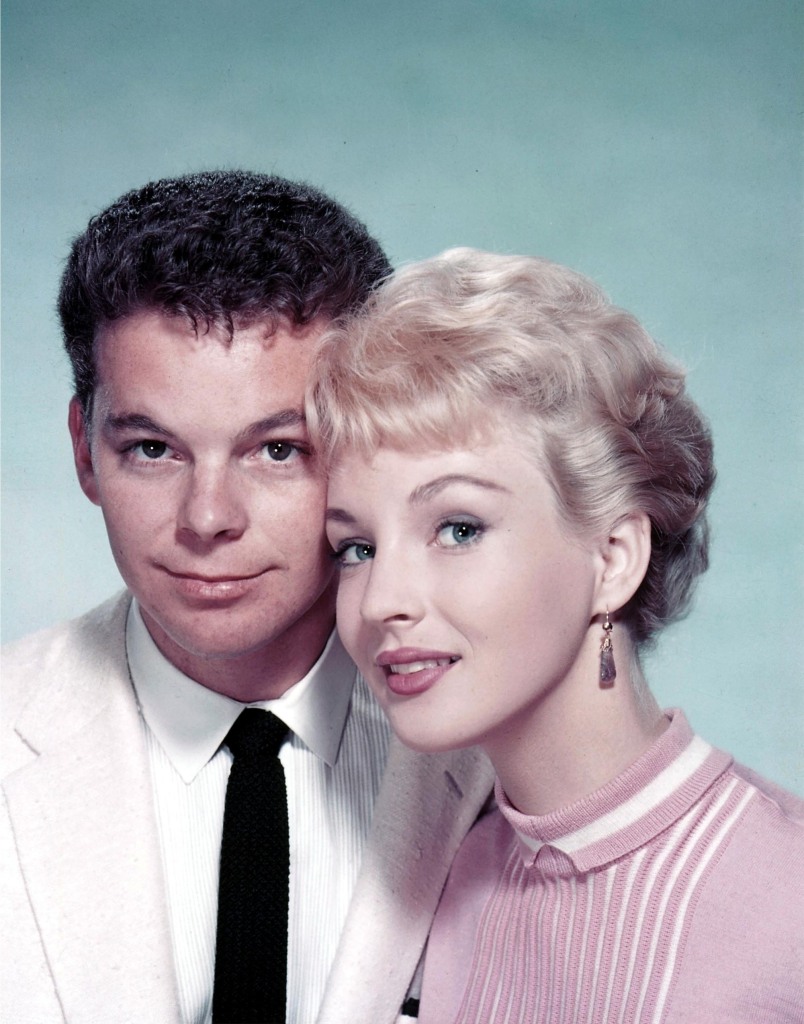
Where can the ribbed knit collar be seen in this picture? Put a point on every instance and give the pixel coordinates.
(648, 797)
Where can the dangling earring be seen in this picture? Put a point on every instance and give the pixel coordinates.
(608, 672)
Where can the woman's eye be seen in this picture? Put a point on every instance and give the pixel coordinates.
(354, 554)
(152, 450)
(454, 534)
(280, 451)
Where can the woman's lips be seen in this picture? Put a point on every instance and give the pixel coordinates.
(409, 671)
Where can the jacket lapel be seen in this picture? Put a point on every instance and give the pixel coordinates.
(85, 831)
(426, 805)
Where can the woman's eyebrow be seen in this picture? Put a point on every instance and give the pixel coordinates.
(426, 491)
(339, 515)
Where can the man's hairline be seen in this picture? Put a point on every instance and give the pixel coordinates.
(276, 321)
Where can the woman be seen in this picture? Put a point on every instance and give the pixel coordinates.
(517, 506)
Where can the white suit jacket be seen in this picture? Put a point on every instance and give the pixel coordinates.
(85, 919)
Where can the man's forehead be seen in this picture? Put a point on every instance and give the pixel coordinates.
(145, 341)
(158, 367)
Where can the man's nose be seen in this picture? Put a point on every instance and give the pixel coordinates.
(213, 504)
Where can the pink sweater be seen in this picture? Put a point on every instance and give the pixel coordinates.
(672, 894)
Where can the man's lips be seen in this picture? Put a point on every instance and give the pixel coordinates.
(220, 578)
(215, 590)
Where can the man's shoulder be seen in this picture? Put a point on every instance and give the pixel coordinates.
(69, 647)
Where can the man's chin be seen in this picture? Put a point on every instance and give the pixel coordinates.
(210, 646)
(208, 640)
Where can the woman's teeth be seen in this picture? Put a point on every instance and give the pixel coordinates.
(419, 666)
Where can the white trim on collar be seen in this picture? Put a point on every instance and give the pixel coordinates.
(632, 810)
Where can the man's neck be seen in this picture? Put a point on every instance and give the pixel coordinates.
(261, 674)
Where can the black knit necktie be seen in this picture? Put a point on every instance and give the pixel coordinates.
(252, 943)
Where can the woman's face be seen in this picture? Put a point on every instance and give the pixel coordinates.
(462, 598)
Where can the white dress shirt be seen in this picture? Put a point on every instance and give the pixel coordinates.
(333, 762)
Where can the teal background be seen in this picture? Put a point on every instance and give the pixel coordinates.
(655, 147)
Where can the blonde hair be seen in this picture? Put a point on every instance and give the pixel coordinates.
(448, 344)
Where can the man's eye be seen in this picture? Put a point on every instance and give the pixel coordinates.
(150, 449)
(280, 451)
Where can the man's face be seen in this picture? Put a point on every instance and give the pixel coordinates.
(200, 460)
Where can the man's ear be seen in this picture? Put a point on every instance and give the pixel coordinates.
(82, 455)
(625, 552)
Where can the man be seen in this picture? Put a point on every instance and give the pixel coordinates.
(190, 311)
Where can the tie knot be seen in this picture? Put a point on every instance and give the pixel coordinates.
(256, 733)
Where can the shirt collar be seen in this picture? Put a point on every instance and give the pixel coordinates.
(191, 721)
(649, 796)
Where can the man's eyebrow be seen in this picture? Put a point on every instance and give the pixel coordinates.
(429, 490)
(276, 421)
(140, 422)
(134, 421)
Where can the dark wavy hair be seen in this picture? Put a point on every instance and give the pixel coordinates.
(220, 248)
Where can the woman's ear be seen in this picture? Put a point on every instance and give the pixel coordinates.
(82, 455)
(625, 553)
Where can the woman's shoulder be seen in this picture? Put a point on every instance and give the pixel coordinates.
(777, 800)
(744, 919)
(756, 829)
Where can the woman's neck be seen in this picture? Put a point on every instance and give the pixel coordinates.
(577, 738)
